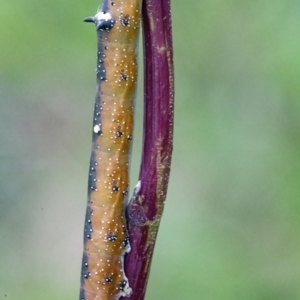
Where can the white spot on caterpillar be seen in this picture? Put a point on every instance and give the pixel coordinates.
(97, 128)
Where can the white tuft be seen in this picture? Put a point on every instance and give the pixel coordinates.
(103, 16)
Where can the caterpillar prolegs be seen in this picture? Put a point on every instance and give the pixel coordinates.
(105, 235)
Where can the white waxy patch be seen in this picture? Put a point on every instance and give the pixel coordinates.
(127, 291)
(137, 188)
(97, 128)
(103, 16)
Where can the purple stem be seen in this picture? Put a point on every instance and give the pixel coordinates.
(145, 210)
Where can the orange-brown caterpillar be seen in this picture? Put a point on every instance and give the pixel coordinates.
(105, 235)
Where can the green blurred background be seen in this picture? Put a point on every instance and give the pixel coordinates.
(231, 225)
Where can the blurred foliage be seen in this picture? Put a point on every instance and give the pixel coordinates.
(231, 224)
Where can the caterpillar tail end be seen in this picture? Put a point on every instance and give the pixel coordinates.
(126, 289)
(102, 20)
(89, 20)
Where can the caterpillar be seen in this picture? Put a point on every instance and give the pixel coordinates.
(106, 238)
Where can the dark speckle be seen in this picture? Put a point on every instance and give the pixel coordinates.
(88, 223)
(124, 76)
(126, 241)
(119, 133)
(122, 285)
(111, 237)
(108, 279)
(125, 20)
(115, 188)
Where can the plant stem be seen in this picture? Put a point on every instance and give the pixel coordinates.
(145, 209)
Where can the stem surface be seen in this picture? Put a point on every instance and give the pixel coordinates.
(146, 207)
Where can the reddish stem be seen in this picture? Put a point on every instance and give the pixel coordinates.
(145, 211)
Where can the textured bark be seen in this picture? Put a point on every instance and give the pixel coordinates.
(146, 207)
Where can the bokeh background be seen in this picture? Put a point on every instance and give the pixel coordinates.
(231, 226)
